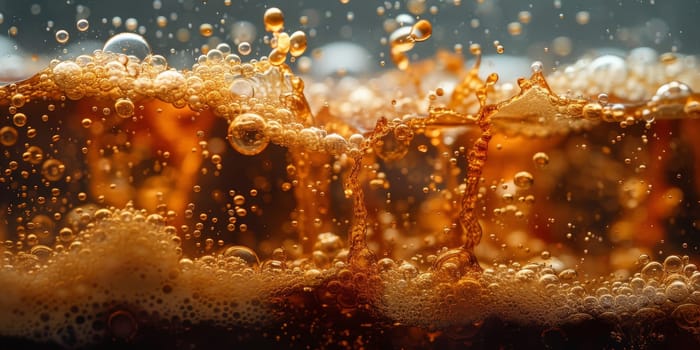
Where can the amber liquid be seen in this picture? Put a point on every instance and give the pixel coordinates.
(211, 207)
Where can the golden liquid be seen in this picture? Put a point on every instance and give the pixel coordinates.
(216, 195)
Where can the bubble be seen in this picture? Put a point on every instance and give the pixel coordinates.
(673, 90)
(66, 234)
(242, 253)
(244, 48)
(652, 271)
(33, 155)
(677, 291)
(562, 46)
(335, 144)
(583, 17)
(242, 87)
(215, 56)
(607, 71)
(405, 19)
(540, 159)
(8, 136)
(273, 20)
(206, 30)
(124, 107)
(62, 36)
(523, 179)
(524, 17)
(53, 169)
(82, 25)
(131, 24)
(247, 135)
(128, 44)
(515, 28)
(673, 264)
(19, 119)
(536, 67)
(122, 325)
(243, 31)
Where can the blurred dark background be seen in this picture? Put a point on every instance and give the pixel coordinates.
(662, 25)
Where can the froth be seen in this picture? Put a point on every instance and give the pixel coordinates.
(124, 268)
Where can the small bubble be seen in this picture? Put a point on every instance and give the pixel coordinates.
(244, 48)
(19, 119)
(582, 17)
(62, 36)
(82, 25)
(206, 30)
(536, 67)
(124, 107)
(8, 136)
(540, 159)
(515, 28)
(523, 179)
(524, 17)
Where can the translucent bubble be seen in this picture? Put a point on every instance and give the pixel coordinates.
(62, 36)
(582, 17)
(540, 159)
(335, 144)
(524, 17)
(243, 254)
(523, 179)
(82, 25)
(242, 87)
(215, 56)
(652, 270)
(33, 155)
(247, 135)
(515, 28)
(243, 31)
(244, 48)
(206, 30)
(129, 44)
(673, 90)
(66, 234)
(124, 107)
(673, 264)
(53, 169)
(677, 291)
(8, 136)
(536, 67)
(19, 119)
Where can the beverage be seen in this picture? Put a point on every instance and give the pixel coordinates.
(238, 202)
